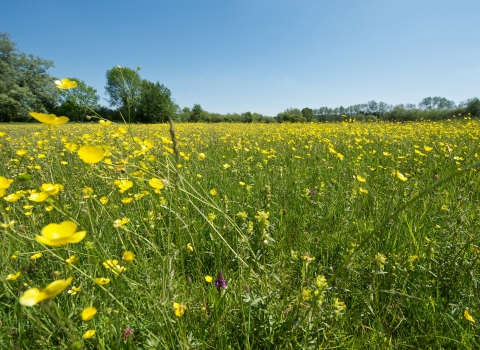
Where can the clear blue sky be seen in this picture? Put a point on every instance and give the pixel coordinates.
(262, 55)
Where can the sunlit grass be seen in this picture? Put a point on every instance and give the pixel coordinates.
(239, 240)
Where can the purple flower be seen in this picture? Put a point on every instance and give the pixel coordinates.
(127, 333)
(220, 282)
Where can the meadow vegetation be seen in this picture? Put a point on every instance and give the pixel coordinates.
(239, 236)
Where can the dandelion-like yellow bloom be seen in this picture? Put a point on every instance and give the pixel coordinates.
(49, 119)
(88, 334)
(90, 154)
(60, 234)
(66, 84)
(179, 309)
(88, 313)
(213, 192)
(104, 200)
(123, 185)
(34, 296)
(209, 279)
(201, 156)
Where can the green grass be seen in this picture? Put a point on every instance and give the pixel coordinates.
(317, 207)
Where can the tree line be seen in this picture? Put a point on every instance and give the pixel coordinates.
(26, 85)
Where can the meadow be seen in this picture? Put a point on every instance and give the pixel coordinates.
(240, 236)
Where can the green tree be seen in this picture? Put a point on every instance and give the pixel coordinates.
(155, 103)
(79, 102)
(308, 114)
(25, 85)
(197, 114)
(124, 87)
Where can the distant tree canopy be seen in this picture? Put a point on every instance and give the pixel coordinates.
(137, 99)
(25, 85)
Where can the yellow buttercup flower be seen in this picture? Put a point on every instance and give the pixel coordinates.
(72, 260)
(128, 256)
(74, 290)
(13, 277)
(66, 84)
(49, 119)
(156, 183)
(52, 189)
(88, 313)
(102, 280)
(34, 296)
(201, 156)
(88, 334)
(104, 200)
(38, 196)
(208, 279)
(60, 234)
(179, 309)
(213, 192)
(36, 256)
(90, 154)
(468, 317)
(361, 178)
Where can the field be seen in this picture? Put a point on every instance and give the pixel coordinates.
(240, 236)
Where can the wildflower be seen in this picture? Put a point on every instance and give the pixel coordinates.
(36, 256)
(66, 84)
(226, 166)
(88, 313)
(362, 190)
(467, 316)
(123, 185)
(105, 122)
(87, 192)
(179, 309)
(306, 294)
(90, 154)
(211, 217)
(71, 146)
(220, 282)
(34, 296)
(361, 178)
(156, 183)
(4, 184)
(293, 254)
(120, 223)
(60, 234)
(104, 200)
(242, 215)
(401, 176)
(88, 334)
(21, 152)
(102, 280)
(338, 306)
(128, 256)
(38, 196)
(127, 200)
(201, 156)
(309, 259)
(114, 266)
(209, 279)
(321, 282)
(74, 290)
(52, 189)
(12, 197)
(379, 260)
(72, 260)
(13, 277)
(189, 247)
(213, 192)
(127, 333)
(49, 119)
